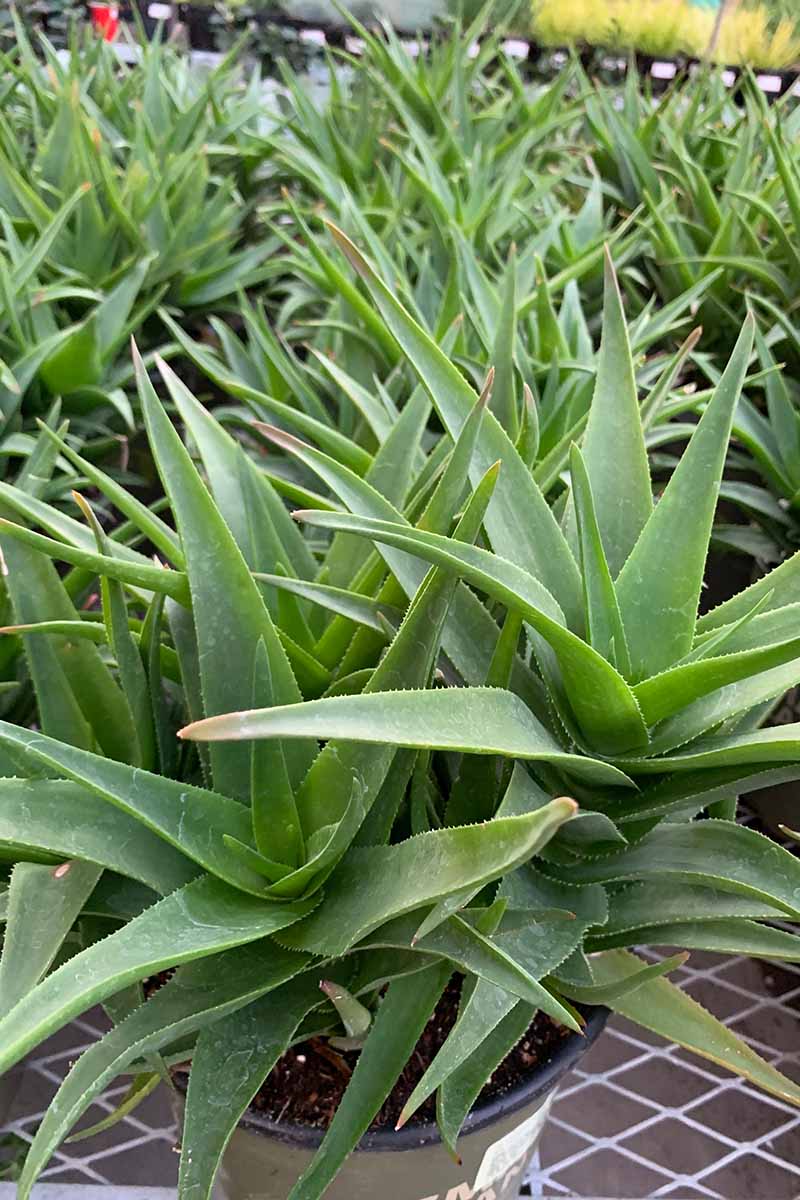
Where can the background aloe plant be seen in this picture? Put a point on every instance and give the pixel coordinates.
(522, 696)
(697, 194)
(121, 189)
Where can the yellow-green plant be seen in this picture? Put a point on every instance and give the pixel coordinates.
(747, 35)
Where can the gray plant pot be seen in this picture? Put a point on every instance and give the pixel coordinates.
(264, 1159)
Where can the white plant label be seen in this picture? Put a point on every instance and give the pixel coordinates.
(500, 1157)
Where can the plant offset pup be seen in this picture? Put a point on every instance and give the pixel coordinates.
(437, 830)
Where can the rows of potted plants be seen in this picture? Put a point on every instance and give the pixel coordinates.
(366, 725)
(755, 34)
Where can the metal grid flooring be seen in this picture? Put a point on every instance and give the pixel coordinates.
(639, 1118)
(643, 1118)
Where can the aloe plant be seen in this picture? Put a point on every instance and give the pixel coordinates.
(169, 152)
(455, 244)
(547, 746)
(97, 163)
(701, 208)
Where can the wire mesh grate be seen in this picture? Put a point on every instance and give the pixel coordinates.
(641, 1117)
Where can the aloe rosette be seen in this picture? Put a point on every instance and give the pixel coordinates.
(700, 199)
(121, 189)
(434, 726)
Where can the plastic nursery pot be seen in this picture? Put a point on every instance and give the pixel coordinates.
(198, 29)
(105, 20)
(264, 1159)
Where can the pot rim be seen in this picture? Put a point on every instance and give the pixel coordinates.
(540, 1081)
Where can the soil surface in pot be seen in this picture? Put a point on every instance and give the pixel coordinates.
(307, 1084)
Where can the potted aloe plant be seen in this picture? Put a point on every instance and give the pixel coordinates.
(521, 719)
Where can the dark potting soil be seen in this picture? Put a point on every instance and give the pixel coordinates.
(307, 1084)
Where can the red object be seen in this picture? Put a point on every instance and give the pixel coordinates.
(105, 20)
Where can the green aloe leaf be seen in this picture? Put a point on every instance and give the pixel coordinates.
(32, 585)
(400, 1020)
(472, 953)
(276, 825)
(659, 586)
(27, 267)
(603, 620)
(606, 992)
(114, 310)
(613, 444)
(782, 412)
(232, 1059)
(43, 903)
(141, 1087)
(653, 902)
(777, 744)
(179, 812)
(354, 1015)
(486, 1007)
(347, 776)
(778, 588)
(77, 362)
(471, 720)
(150, 524)
(79, 700)
(325, 846)
(540, 947)
(664, 1009)
(473, 796)
(520, 524)
(132, 676)
(503, 401)
(527, 443)
(653, 404)
(140, 575)
(321, 434)
(674, 689)
(470, 635)
(688, 792)
(614, 720)
(458, 1093)
(230, 620)
(719, 936)
(362, 610)
(228, 470)
(470, 856)
(205, 917)
(717, 854)
(59, 525)
(58, 818)
(200, 992)
(370, 408)
(390, 475)
(775, 626)
(709, 712)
